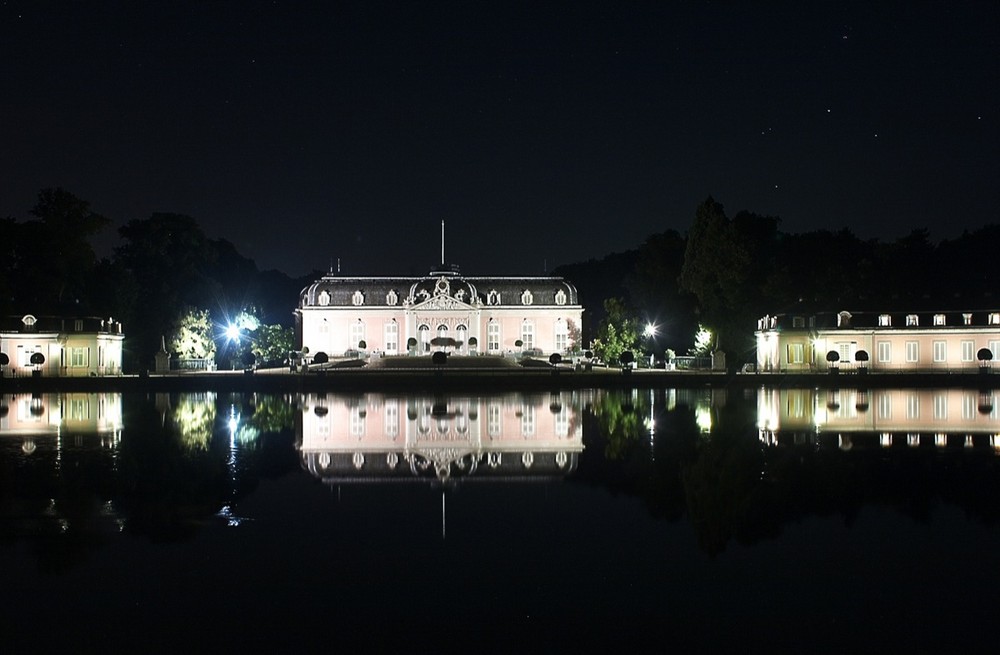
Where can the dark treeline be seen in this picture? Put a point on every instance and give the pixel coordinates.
(723, 274)
(163, 266)
(728, 272)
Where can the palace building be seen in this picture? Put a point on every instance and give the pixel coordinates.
(60, 346)
(443, 310)
(945, 341)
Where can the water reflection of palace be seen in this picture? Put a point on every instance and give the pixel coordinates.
(886, 417)
(31, 416)
(376, 437)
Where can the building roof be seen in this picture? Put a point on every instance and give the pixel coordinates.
(864, 320)
(30, 324)
(346, 291)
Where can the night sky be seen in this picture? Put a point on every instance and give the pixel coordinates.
(543, 133)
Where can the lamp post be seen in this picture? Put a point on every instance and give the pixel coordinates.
(650, 333)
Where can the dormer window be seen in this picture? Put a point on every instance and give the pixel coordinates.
(939, 319)
(994, 319)
(912, 320)
(560, 297)
(844, 319)
(324, 298)
(798, 321)
(358, 298)
(527, 298)
(78, 325)
(966, 319)
(391, 298)
(884, 320)
(493, 297)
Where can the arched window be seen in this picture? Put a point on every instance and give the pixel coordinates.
(527, 298)
(493, 297)
(391, 298)
(425, 337)
(358, 298)
(462, 336)
(324, 298)
(560, 297)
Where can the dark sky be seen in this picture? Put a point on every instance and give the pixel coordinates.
(543, 133)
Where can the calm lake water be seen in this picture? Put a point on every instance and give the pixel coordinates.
(770, 520)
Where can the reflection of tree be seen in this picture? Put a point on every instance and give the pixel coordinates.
(731, 486)
(194, 418)
(622, 419)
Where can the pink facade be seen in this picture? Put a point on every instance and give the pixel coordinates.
(442, 311)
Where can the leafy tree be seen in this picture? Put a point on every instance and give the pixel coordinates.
(193, 335)
(726, 265)
(54, 255)
(168, 256)
(617, 332)
(272, 343)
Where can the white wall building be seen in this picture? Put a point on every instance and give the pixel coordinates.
(484, 315)
(947, 341)
(68, 347)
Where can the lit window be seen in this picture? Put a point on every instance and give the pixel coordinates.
(911, 320)
(78, 357)
(994, 319)
(884, 352)
(391, 337)
(461, 335)
(357, 335)
(493, 297)
(527, 335)
(940, 406)
(358, 298)
(560, 297)
(912, 351)
(796, 353)
(885, 320)
(844, 319)
(324, 298)
(940, 351)
(527, 298)
(561, 335)
(968, 351)
(425, 338)
(939, 319)
(78, 325)
(912, 406)
(391, 298)
(966, 319)
(493, 336)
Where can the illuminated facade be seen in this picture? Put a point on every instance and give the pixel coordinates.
(56, 346)
(405, 315)
(897, 342)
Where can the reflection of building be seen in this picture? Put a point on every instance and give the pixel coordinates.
(377, 437)
(61, 346)
(396, 315)
(846, 417)
(920, 341)
(61, 415)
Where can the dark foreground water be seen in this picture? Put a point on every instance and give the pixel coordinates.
(764, 521)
